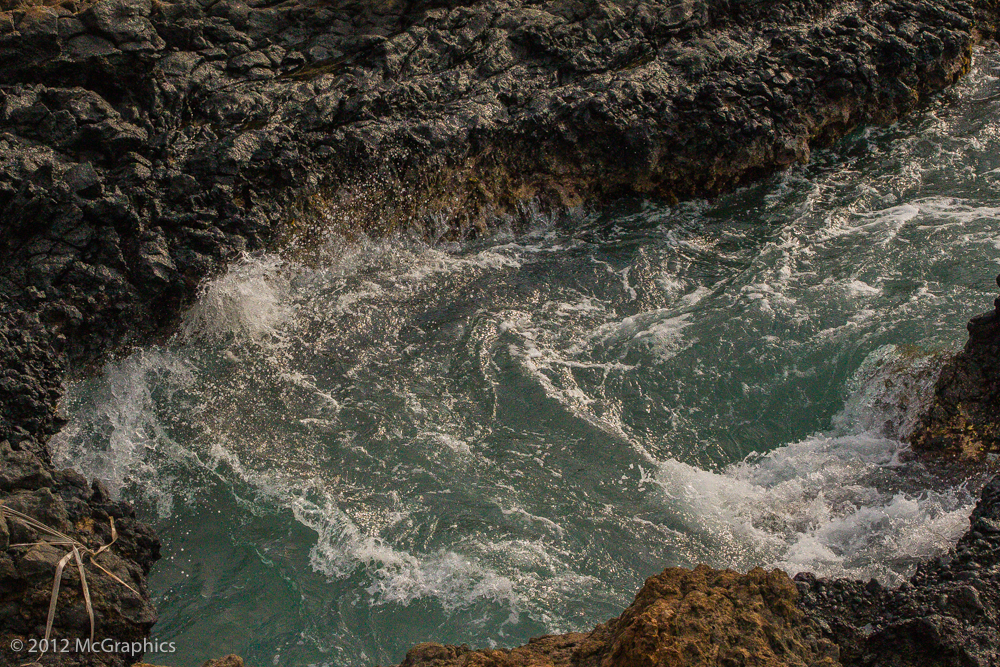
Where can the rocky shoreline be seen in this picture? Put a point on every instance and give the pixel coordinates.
(145, 144)
(962, 421)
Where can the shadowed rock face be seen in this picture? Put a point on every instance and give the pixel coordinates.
(680, 618)
(143, 144)
(963, 420)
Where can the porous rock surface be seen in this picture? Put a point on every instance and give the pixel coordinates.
(227, 661)
(144, 143)
(680, 618)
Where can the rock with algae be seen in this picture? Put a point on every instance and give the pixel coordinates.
(680, 618)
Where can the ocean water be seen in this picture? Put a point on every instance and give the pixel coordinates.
(389, 442)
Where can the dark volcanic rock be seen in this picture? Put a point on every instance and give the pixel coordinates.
(143, 144)
(963, 419)
(64, 501)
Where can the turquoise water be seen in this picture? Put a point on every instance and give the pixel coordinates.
(478, 443)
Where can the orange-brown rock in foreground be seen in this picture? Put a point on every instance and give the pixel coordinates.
(681, 617)
(227, 661)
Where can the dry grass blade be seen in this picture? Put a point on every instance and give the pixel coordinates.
(112, 575)
(78, 549)
(114, 538)
(95, 554)
(40, 527)
(86, 590)
(55, 594)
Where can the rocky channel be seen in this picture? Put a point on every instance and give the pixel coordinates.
(143, 144)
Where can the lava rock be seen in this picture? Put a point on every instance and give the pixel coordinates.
(952, 618)
(693, 618)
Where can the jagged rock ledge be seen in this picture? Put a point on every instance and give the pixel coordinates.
(689, 618)
(143, 144)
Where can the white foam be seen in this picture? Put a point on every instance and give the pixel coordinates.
(813, 506)
(861, 288)
(822, 504)
(249, 303)
(398, 577)
(534, 518)
(816, 504)
(434, 262)
(116, 435)
(659, 332)
(932, 213)
(889, 391)
(696, 295)
(450, 442)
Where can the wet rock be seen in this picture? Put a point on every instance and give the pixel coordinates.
(949, 609)
(64, 501)
(249, 61)
(156, 267)
(228, 661)
(124, 22)
(41, 561)
(83, 178)
(21, 470)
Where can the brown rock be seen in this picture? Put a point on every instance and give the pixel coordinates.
(688, 618)
(228, 661)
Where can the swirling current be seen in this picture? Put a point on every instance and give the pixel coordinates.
(391, 442)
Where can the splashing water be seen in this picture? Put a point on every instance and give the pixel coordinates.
(486, 442)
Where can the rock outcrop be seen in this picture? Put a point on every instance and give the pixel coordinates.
(963, 420)
(680, 618)
(143, 144)
(227, 661)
